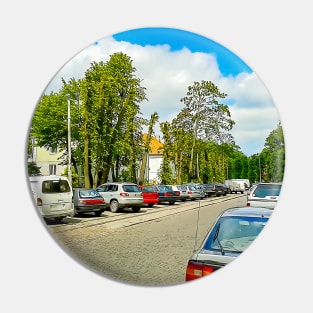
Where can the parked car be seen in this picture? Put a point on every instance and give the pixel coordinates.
(192, 192)
(264, 195)
(150, 195)
(167, 194)
(121, 195)
(209, 190)
(221, 189)
(232, 233)
(215, 189)
(183, 196)
(88, 200)
(53, 196)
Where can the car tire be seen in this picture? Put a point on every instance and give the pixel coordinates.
(171, 202)
(114, 206)
(136, 209)
(98, 213)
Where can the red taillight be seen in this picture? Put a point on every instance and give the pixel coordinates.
(197, 270)
(248, 204)
(177, 193)
(166, 194)
(124, 194)
(91, 201)
(189, 192)
(39, 201)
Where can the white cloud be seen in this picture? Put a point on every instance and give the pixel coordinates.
(166, 75)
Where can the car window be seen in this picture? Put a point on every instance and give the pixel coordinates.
(131, 188)
(263, 191)
(89, 193)
(55, 186)
(164, 188)
(148, 189)
(235, 233)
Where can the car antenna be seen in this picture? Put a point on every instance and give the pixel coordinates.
(198, 215)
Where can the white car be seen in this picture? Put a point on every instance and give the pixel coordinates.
(264, 195)
(121, 195)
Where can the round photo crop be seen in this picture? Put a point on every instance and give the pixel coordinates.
(155, 157)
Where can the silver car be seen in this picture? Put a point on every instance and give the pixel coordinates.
(264, 195)
(232, 233)
(121, 195)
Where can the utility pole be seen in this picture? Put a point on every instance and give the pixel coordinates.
(260, 167)
(69, 140)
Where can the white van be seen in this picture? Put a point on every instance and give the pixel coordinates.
(53, 196)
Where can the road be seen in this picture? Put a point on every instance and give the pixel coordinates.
(149, 248)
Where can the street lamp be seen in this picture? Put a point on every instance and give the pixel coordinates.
(259, 154)
(69, 139)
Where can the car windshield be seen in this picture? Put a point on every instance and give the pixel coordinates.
(131, 188)
(148, 189)
(165, 188)
(235, 233)
(89, 193)
(263, 191)
(55, 186)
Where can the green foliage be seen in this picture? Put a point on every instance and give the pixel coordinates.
(33, 169)
(106, 131)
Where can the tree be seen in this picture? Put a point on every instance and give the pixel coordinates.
(111, 94)
(33, 169)
(204, 117)
(153, 119)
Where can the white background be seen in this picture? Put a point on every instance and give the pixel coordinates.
(273, 38)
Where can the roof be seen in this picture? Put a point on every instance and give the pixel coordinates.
(156, 147)
(248, 211)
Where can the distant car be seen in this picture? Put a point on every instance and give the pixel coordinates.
(88, 200)
(209, 190)
(167, 194)
(221, 189)
(192, 192)
(150, 195)
(264, 195)
(232, 233)
(183, 196)
(121, 195)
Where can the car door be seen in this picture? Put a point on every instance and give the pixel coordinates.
(106, 192)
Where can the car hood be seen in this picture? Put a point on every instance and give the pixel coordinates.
(213, 257)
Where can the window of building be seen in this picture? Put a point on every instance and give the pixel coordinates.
(52, 169)
(53, 150)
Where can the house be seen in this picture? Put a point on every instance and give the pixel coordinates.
(49, 160)
(155, 158)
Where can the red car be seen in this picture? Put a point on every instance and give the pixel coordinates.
(150, 195)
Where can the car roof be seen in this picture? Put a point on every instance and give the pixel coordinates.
(248, 211)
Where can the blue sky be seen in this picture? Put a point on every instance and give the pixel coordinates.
(168, 61)
(177, 39)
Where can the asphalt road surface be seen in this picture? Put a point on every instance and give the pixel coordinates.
(149, 248)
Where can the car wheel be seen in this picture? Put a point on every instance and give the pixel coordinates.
(98, 213)
(150, 205)
(114, 207)
(171, 202)
(136, 209)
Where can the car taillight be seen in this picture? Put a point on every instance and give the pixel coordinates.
(189, 192)
(39, 201)
(124, 194)
(248, 203)
(197, 270)
(166, 194)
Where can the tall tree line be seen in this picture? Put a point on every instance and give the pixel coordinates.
(107, 131)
